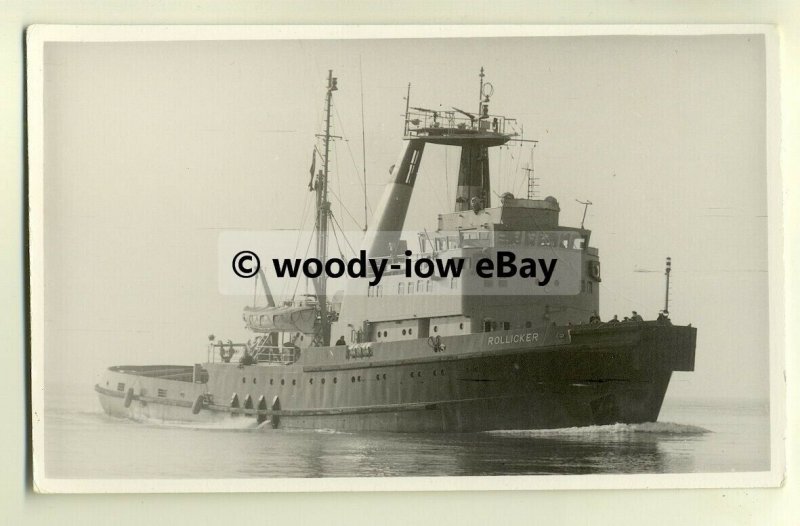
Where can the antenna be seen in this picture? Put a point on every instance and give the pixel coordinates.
(531, 176)
(363, 144)
(408, 101)
(585, 208)
(480, 92)
(667, 270)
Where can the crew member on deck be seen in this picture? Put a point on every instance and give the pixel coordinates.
(247, 359)
(341, 341)
(635, 316)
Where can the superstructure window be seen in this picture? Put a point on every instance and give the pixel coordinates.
(401, 287)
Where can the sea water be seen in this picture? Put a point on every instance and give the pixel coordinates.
(690, 436)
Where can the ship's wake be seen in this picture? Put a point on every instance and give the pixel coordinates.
(226, 424)
(609, 431)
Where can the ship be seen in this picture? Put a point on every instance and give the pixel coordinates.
(458, 354)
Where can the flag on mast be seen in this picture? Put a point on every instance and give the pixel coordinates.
(313, 168)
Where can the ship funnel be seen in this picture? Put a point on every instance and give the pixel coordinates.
(474, 187)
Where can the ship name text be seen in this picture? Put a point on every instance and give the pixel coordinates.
(523, 337)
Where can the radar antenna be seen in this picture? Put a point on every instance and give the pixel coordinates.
(585, 208)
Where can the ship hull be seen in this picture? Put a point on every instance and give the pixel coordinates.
(505, 380)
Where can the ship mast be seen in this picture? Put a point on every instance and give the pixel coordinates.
(667, 270)
(323, 211)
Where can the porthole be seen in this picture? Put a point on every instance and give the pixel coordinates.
(384, 376)
(311, 380)
(254, 379)
(434, 373)
(377, 377)
(353, 379)
(244, 379)
(335, 380)
(409, 331)
(323, 381)
(294, 382)
(359, 378)
(384, 334)
(271, 381)
(412, 374)
(441, 372)
(419, 374)
(461, 326)
(283, 382)
(404, 332)
(435, 328)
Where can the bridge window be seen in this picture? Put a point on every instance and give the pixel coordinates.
(428, 286)
(411, 287)
(401, 288)
(419, 286)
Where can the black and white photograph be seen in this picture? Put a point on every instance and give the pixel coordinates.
(299, 259)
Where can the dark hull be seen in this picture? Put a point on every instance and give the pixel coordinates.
(584, 376)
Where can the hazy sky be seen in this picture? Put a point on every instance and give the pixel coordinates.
(151, 149)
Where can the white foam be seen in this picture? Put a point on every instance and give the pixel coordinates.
(226, 424)
(656, 428)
